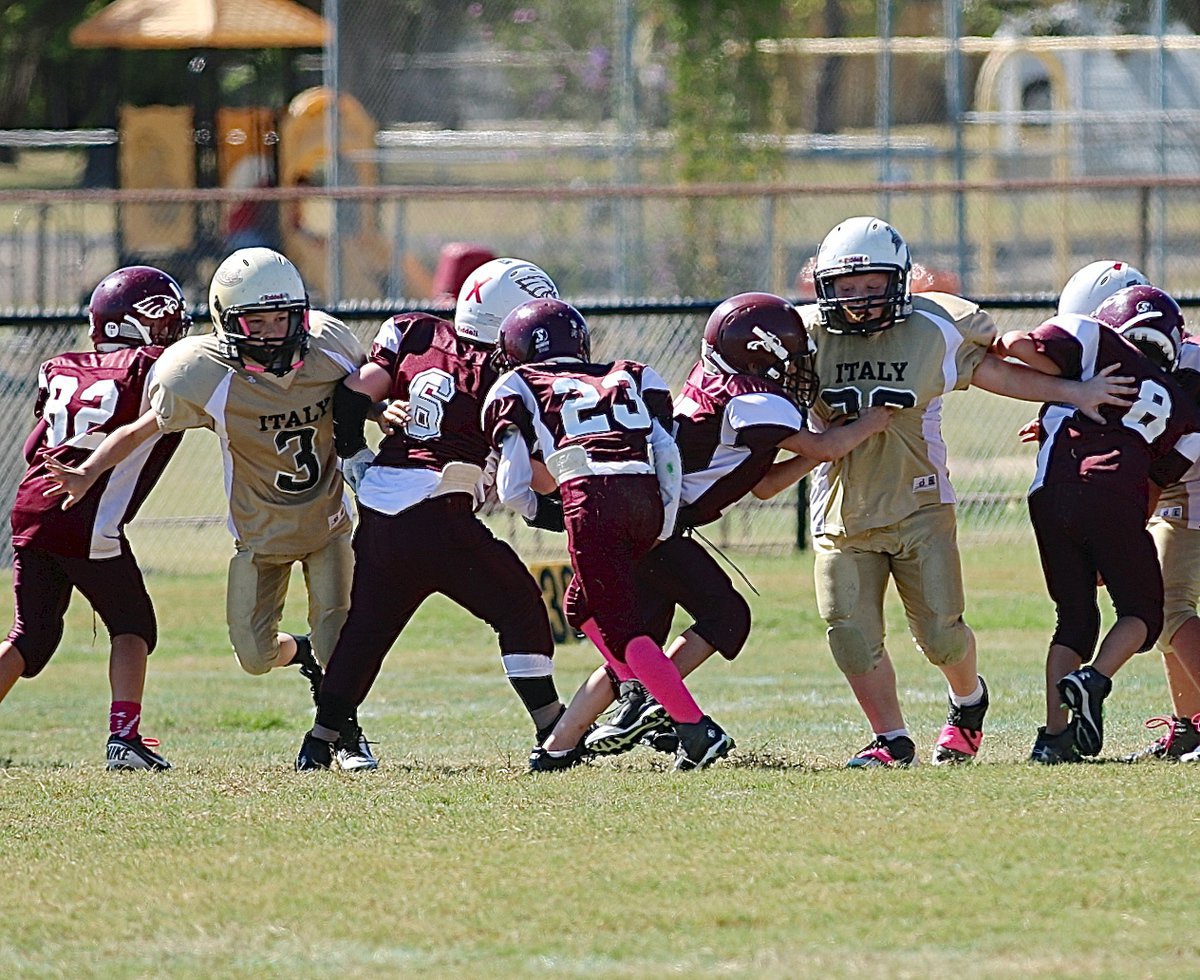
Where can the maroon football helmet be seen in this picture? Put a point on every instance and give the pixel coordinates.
(540, 330)
(762, 334)
(1148, 318)
(135, 306)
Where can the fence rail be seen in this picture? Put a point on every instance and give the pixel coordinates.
(996, 238)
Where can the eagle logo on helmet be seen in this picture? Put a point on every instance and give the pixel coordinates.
(536, 283)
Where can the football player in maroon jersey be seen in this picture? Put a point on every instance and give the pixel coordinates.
(417, 531)
(600, 434)
(744, 400)
(134, 313)
(1090, 496)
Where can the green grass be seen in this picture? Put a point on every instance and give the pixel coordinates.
(451, 861)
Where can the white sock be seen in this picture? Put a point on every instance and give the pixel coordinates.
(973, 698)
(894, 734)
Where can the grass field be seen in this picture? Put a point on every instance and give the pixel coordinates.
(451, 861)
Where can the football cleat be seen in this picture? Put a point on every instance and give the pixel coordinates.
(353, 751)
(701, 744)
(1083, 692)
(661, 739)
(963, 732)
(898, 752)
(637, 713)
(134, 753)
(1181, 737)
(542, 760)
(315, 753)
(544, 733)
(310, 667)
(1051, 750)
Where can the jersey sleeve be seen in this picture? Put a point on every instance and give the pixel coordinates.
(760, 420)
(1061, 346)
(401, 335)
(657, 397)
(338, 341)
(505, 408)
(978, 331)
(175, 397)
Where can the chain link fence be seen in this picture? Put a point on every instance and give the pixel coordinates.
(182, 527)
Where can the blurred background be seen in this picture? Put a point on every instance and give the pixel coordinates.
(653, 155)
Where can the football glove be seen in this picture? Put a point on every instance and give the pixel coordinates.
(354, 468)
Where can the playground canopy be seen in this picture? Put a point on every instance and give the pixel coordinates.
(176, 24)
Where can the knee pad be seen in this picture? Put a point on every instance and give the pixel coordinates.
(946, 644)
(727, 626)
(252, 658)
(36, 645)
(851, 651)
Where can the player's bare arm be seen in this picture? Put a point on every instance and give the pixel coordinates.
(1023, 382)
(542, 481)
(72, 482)
(834, 443)
(1021, 345)
(784, 474)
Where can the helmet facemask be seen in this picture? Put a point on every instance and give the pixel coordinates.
(864, 314)
(273, 355)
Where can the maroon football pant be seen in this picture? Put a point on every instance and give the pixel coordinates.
(1082, 530)
(681, 572)
(612, 522)
(42, 584)
(438, 546)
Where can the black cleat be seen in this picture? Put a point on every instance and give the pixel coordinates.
(962, 734)
(1083, 692)
(662, 739)
(133, 753)
(315, 753)
(700, 744)
(898, 752)
(310, 667)
(1051, 750)
(637, 712)
(353, 751)
(1181, 737)
(540, 759)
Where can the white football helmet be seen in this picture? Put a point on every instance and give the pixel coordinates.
(1094, 283)
(858, 245)
(259, 280)
(493, 291)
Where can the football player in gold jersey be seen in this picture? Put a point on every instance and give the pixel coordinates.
(263, 382)
(886, 509)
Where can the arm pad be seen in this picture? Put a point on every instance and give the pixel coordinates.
(549, 516)
(350, 410)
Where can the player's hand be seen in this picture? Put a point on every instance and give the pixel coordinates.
(1105, 388)
(68, 482)
(1031, 431)
(876, 418)
(354, 468)
(395, 417)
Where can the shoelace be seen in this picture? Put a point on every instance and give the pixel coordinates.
(1163, 721)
